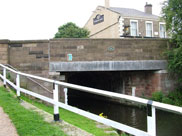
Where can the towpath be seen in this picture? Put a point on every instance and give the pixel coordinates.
(6, 126)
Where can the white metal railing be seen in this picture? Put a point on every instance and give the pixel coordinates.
(151, 105)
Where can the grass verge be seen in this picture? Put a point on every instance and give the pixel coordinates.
(72, 118)
(27, 123)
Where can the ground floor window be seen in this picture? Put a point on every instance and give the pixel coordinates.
(162, 30)
(134, 27)
(149, 29)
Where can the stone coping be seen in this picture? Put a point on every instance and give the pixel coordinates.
(108, 66)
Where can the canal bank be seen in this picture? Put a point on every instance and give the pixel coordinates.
(73, 124)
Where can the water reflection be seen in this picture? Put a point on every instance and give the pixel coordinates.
(168, 124)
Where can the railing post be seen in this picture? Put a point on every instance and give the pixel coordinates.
(56, 107)
(151, 119)
(4, 74)
(18, 85)
(66, 96)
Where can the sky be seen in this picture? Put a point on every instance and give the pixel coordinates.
(40, 19)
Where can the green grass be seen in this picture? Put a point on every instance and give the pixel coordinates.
(72, 118)
(27, 123)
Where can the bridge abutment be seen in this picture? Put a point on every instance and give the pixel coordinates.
(110, 64)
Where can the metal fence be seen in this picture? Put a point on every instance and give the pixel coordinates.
(151, 105)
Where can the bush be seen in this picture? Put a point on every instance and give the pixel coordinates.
(175, 94)
(167, 100)
(157, 96)
(174, 97)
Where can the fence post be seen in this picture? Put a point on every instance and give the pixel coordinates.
(66, 96)
(151, 119)
(4, 74)
(56, 108)
(18, 85)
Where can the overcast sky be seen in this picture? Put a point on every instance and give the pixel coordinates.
(40, 19)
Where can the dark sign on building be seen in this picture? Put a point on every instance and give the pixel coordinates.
(98, 19)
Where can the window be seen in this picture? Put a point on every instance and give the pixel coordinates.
(149, 29)
(133, 27)
(162, 30)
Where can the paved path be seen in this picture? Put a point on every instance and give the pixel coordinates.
(1, 83)
(6, 127)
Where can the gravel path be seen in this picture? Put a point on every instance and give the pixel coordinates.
(6, 126)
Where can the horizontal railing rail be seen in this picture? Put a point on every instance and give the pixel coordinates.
(151, 105)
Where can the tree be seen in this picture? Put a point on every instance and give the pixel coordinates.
(70, 30)
(172, 14)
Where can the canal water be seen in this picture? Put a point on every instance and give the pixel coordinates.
(168, 124)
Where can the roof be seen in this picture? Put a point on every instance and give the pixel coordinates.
(126, 12)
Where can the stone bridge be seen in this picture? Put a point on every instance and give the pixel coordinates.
(109, 64)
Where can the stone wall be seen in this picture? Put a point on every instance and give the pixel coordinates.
(30, 56)
(4, 51)
(107, 49)
(35, 56)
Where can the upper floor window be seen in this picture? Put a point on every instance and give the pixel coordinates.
(162, 30)
(149, 29)
(134, 27)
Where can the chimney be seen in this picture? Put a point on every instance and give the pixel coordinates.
(148, 8)
(107, 5)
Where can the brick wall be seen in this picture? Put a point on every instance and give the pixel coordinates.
(148, 82)
(145, 82)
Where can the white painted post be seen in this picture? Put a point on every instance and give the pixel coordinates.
(4, 74)
(18, 85)
(133, 91)
(56, 99)
(151, 120)
(66, 96)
